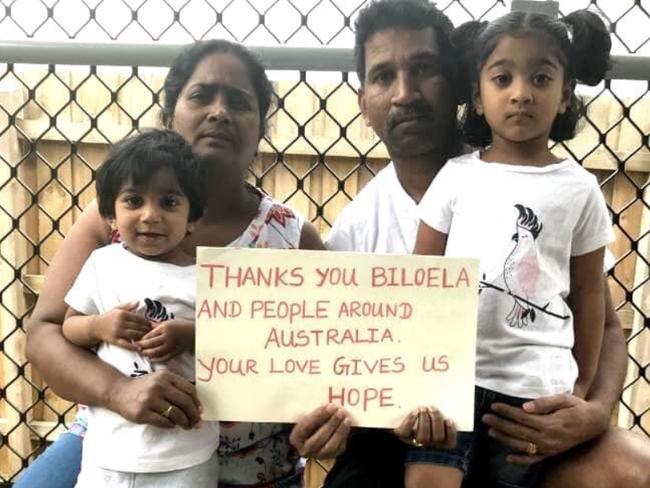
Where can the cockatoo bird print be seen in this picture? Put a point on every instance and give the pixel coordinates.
(521, 268)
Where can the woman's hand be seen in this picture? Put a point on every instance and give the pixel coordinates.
(168, 339)
(546, 426)
(427, 427)
(322, 433)
(162, 398)
(121, 326)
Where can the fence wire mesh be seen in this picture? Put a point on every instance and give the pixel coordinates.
(56, 122)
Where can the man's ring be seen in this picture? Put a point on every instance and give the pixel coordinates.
(167, 412)
(531, 448)
(414, 442)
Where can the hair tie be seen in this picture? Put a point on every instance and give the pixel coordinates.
(569, 32)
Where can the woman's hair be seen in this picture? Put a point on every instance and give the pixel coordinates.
(583, 44)
(185, 63)
(136, 159)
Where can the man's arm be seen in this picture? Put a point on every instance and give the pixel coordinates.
(588, 305)
(429, 241)
(558, 423)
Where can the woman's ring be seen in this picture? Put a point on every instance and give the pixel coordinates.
(531, 448)
(414, 442)
(167, 412)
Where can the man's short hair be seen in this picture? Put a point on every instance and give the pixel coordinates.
(382, 15)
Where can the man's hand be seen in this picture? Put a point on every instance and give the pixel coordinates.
(546, 426)
(121, 326)
(148, 398)
(168, 339)
(322, 433)
(427, 427)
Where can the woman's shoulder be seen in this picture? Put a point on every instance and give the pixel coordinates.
(276, 225)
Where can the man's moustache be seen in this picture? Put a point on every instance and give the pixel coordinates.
(408, 113)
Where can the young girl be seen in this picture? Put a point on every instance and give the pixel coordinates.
(538, 223)
(149, 190)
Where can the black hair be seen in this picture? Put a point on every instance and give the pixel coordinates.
(583, 43)
(137, 158)
(382, 15)
(185, 63)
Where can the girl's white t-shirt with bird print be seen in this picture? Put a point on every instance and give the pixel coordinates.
(524, 223)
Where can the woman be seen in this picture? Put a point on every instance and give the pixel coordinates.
(217, 96)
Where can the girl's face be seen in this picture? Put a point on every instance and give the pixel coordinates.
(217, 112)
(522, 89)
(152, 219)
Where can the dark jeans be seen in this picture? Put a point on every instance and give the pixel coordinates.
(375, 457)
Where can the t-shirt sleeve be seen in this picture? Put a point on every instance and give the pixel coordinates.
(594, 227)
(341, 237)
(84, 296)
(436, 207)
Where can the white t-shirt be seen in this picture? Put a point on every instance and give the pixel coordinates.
(110, 277)
(382, 218)
(524, 223)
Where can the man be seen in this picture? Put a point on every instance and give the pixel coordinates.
(405, 65)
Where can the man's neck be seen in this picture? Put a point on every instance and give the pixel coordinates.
(416, 174)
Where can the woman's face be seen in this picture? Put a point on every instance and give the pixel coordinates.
(217, 112)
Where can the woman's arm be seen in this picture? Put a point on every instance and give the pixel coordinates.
(587, 301)
(429, 241)
(82, 377)
(309, 238)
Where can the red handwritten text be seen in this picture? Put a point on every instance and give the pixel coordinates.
(223, 366)
(422, 277)
(433, 363)
(326, 337)
(344, 366)
(222, 275)
(304, 366)
(336, 276)
(366, 397)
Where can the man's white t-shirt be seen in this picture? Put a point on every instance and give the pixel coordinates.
(382, 218)
(110, 277)
(524, 223)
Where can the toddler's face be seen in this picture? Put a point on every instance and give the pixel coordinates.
(152, 220)
(522, 88)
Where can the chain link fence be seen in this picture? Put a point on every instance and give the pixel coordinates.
(62, 105)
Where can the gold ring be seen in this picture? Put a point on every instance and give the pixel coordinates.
(531, 448)
(167, 412)
(414, 442)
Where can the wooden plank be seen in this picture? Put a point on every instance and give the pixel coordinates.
(638, 396)
(623, 193)
(14, 248)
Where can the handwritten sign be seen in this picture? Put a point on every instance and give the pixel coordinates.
(279, 333)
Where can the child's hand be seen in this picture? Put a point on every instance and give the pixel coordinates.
(168, 339)
(427, 427)
(120, 326)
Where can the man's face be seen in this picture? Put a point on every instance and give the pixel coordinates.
(405, 98)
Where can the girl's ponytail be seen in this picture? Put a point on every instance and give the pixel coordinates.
(591, 44)
(463, 40)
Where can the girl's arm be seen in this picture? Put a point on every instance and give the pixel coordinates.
(587, 301)
(79, 330)
(119, 326)
(429, 241)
